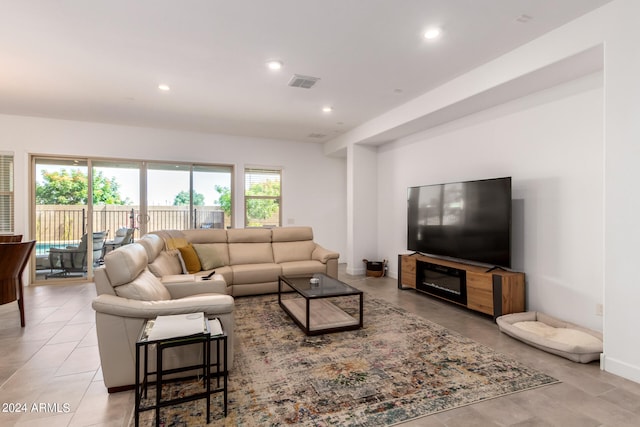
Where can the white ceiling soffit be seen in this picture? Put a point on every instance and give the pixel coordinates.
(568, 69)
(103, 60)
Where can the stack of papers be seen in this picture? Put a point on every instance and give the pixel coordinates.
(215, 327)
(177, 325)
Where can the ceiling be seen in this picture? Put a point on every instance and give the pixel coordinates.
(102, 60)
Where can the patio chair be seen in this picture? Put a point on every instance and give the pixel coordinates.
(13, 259)
(73, 259)
(124, 236)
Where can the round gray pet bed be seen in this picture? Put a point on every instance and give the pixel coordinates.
(553, 335)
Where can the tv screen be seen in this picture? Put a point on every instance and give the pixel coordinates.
(465, 220)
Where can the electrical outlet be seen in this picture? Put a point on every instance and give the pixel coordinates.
(599, 309)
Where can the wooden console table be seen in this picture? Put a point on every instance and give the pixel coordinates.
(495, 292)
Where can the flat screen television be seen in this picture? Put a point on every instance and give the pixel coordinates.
(464, 220)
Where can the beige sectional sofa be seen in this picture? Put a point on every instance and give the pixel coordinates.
(146, 279)
(249, 260)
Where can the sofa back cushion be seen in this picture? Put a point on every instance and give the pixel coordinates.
(291, 234)
(249, 235)
(249, 246)
(126, 268)
(167, 263)
(145, 287)
(293, 251)
(292, 243)
(205, 235)
(153, 244)
(250, 253)
(212, 255)
(125, 263)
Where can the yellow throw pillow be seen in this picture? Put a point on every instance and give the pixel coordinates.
(190, 257)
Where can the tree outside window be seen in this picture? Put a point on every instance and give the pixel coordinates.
(263, 197)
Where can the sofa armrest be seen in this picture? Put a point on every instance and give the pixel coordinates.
(177, 278)
(124, 307)
(323, 255)
(197, 286)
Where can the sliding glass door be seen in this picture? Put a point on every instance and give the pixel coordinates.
(84, 208)
(116, 202)
(61, 218)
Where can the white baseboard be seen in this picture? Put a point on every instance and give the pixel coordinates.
(620, 368)
(356, 271)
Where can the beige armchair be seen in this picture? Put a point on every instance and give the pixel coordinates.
(128, 294)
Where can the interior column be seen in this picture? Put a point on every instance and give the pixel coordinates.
(362, 207)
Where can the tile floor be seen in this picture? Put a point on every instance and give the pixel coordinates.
(50, 370)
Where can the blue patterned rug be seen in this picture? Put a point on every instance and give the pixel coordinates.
(398, 367)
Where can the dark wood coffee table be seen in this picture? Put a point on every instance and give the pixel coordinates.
(312, 310)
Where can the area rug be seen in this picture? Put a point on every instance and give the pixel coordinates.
(399, 366)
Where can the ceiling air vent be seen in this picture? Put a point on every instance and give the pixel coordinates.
(305, 82)
(316, 135)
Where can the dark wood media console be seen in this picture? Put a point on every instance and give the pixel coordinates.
(495, 292)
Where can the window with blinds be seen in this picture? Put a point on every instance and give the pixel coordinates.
(262, 197)
(6, 193)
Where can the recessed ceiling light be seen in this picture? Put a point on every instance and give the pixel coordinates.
(274, 64)
(432, 33)
(164, 87)
(327, 109)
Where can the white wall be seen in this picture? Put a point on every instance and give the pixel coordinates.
(622, 198)
(313, 184)
(362, 212)
(614, 27)
(551, 144)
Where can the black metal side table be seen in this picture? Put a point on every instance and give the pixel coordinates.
(205, 338)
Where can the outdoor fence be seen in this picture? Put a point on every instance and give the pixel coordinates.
(62, 225)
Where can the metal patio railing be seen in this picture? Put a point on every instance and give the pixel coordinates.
(63, 225)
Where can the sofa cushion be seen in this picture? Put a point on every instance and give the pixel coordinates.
(291, 234)
(255, 273)
(292, 251)
(125, 263)
(250, 253)
(190, 258)
(166, 264)
(308, 267)
(249, 235)
(153, 244)
(145, 287)
(205, 235)
(212, 255)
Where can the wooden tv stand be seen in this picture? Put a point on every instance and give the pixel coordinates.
(495, 292)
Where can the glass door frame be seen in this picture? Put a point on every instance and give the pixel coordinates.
(143, 217)
(86, 163)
